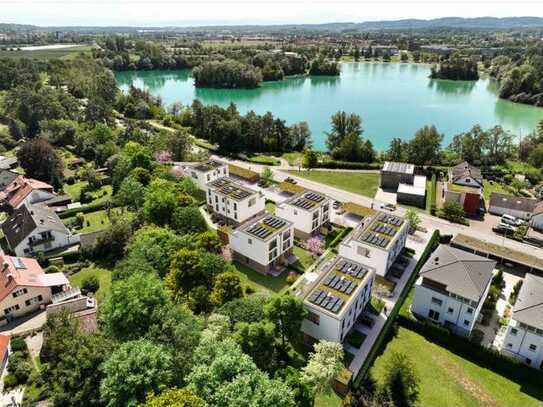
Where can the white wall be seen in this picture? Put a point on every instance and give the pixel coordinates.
(60, 240)
(257, 249)
(202, 178)
(302, 219)
(452, 312)
(24, 309)
(238, 211)
(496, 210)
(518, 344)
(537, 221)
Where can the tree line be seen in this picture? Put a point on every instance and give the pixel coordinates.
(456, 68)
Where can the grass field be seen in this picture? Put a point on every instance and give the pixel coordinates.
(62, 53)
(356, 182)
(447, 379)
(100, 195)
(494, 187)
(293, 158)
(264, 160)
(103, 275)
(94, 221)
(305, 260)
(260, 283)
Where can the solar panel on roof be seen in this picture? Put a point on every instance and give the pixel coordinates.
(337, 306)
(320, 298)
(331, 303)
(313, 296)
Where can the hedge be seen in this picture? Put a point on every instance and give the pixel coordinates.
(348, 165)
(385, 332)
(84, 209)
(433, 187)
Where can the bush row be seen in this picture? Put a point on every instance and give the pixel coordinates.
(84, 209)
(348, 165)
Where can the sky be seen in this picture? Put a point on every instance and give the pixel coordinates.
(204, 12)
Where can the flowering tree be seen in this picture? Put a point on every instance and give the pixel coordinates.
(163, 156)
(323, 366)
(315, 245)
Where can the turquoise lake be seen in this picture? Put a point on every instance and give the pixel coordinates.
(394, 100)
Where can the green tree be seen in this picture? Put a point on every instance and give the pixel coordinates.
(160, 202)
(130, 194)
(40, 161)
(134, 370)
(453, 211)
(188, 220)
(175, 398)
(132, 306)
(257, 339)
(401, 381)
(300, 391)
(310, 159)
(185, 273)
(287, 313)
(209, 241)
(267, 176)
(226, 288)
(397, 150)
(536, 156)
(343, 124)
(425, 147)
(413, 219)
(246, 309)
(323, 367)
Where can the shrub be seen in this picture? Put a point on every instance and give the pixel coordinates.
(477, 336)
(91, 284)
(249, 290)
(52, 269)
(10, 381)
(18, 344)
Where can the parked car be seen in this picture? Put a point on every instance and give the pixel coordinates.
(388, 207)
(511, 220)
(291, 180)
(504, 228)
(336, 204)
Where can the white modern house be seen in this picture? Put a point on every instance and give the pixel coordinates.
(33, 229)
(308, 210)
(377, 241)
(334, 297)
(206, 172)
(263, 243)
(234, 202)
(524, 337)
(452, 287)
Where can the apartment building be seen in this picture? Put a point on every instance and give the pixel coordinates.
(524, 337)
(308, 210)
(452, 287)
(377, 241)
(206, 172)
(25, 287)
(263, 243)
(234, 202)
(334, 298)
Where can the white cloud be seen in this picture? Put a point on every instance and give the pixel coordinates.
(190, 12)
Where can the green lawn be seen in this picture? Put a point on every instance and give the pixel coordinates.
(328, 400)
(270, 207)
(359, 183)
(261, 283)
(103, 275)
(494, 187)
(94, 221)
(305, 260)
(293, 158)
(264, 160)
(447, 379)
(100, 195)
(63, 53)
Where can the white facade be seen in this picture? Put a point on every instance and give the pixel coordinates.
(260, 253)
(44, 240)
(536, 221)
(309, 221)
(447, 309)
(380, 258)
(524, 343)
(203, 173)
(238, 210)
(499, 211)
(322, 324)
(36, 196)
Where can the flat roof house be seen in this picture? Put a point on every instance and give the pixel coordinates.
(234, 202)
(263, 243)
(377, 241)
(524, 336)
(334, 298)
(394, 173)
(308, 210)
(25, 287)
(33, 229)
(206, 172)
(452, 287)
(516, 206)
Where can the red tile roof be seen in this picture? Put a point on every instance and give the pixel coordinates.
(4, 345)
(20, 188)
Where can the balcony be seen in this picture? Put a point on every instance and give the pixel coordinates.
(42, 240)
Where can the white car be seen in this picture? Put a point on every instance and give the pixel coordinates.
(388, 207)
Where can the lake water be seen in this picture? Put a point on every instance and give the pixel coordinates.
(394, 100)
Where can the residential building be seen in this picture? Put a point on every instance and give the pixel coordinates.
(536, 221)
(394, 173)
(517, 206)
(524, 336)
(25, 191)
(334, 297)
(382, 50)
(413, 194)
(7, 177)
(234, 202)
(376, 242)
(25, 287)
(4, 352)
(308, 210)
(466, 174)
(438, 49)
(452, 287)
(206, 172)
(33, 229)
(264, 243)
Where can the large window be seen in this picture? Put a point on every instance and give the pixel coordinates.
(433, 315)
(315, 318)
(437, 301)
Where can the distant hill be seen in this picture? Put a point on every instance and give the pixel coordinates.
(477, 23)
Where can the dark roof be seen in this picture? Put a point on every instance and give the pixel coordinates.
(529, 306)
(8, 163)
(58, 200)
(6, 178)
(465, 169)
(538, 208)
(516, 203)
(402, 168)
(463, 273)
(25, 220)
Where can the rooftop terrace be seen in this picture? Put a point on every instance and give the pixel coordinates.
(231, 189)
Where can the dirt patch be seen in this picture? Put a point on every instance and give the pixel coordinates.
(471, 386)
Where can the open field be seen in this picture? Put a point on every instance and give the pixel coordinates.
(492, 187)
(447, 379)
(103, 275)
(359, 183)
(60, 53)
